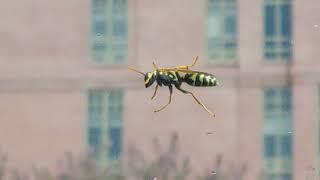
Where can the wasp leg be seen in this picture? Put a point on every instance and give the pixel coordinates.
(197, 100)
(155, 91)
(194, 61)
(188, 66)
(160, 109)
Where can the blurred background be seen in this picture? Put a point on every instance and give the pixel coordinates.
(70, 108)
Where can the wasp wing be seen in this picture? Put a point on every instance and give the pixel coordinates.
(177, 69)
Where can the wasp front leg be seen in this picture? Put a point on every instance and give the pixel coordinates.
(170, 90)
(155, 91)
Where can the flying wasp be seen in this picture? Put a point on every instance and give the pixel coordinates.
(175, 77)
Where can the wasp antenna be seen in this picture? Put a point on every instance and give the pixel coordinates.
(154, 66)
(132, 69)
(195, 61)
(218, 83)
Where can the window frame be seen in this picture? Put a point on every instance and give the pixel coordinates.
(105, 123)
(282, 44)
(279, 165)
(108, 39)
(226, 9)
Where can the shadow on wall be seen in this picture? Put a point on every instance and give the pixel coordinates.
(166, 166)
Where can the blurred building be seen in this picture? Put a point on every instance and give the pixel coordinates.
(65, 85)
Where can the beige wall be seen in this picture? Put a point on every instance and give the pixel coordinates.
(305, 129)
(39, 127)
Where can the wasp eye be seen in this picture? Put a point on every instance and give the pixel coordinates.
(147, 76)
(149, 79)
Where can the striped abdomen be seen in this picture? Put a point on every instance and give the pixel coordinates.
(200, 79)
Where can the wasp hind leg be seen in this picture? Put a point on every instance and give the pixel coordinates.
(197, 100)
(155, 91)
(160, 109)
(188, 66)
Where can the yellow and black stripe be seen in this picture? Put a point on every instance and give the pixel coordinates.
(200, 79)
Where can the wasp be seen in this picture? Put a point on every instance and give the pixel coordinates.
(175, 77)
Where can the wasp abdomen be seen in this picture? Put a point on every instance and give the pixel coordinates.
(200, 79)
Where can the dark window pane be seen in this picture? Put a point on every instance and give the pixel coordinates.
(286, 20)
(286, 94)
(270, 45)
(119, 8)
(115, 98)
(286, 145)
(286, 99)
(270, 55)
(98, 3)
(269, 94)
(119, 47)
(287, 55)
(271, 177)
(94, 139)
(211, 43)
(99, 28)
(269, 99)
(286, 44)
(222, 29)
(269, 107)
(230, 45)
(214, 1)
(230, 24)
(120, 28)
(230, 55)
(216, 43)
(94, 100)
(120, 51)
(98, 10)
(119, 3)
(115, 136)
(119, 57)
(269, 146)
(99, 47)
(286, 177)
(269, 20)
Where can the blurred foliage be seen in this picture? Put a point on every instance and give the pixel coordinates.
(3, 164)
(73, 168)
(166, 165)
(232, 173)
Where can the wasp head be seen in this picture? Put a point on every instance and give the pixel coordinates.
(149, 79)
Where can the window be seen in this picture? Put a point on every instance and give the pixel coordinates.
(105, 127)
(277, 134)
(222, 31)
(277, 30)
(109, 31)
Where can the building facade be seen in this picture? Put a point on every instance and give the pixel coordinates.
(65, 85)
